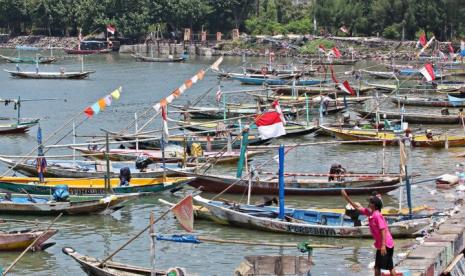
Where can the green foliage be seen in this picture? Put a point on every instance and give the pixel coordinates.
(392, 32)
(311, 47)
(135, 18)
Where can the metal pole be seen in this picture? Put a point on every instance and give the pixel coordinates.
(136, 126)
(306, 109)
(281, 181)
(240, 164)
(224, 107)
(152, 244)
(107, 159)
(409, 194)
(74, 142)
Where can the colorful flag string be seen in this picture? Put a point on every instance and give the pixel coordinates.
(102, 103)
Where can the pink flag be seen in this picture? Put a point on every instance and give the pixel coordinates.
(345, 86)
(335, 52)
(428, 72)
(111, 29)
(184, 212)
(270, 125)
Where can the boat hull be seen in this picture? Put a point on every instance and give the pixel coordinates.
(228, 216)
(50, 75)
(20, 240)
(217, 184)
(415, 118)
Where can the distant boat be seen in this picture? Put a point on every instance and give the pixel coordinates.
(433, 102)
(50, 75)
(275, 81)
(139, 57)
(18, 127)
(414, 117)
(31, 60)
(88, 47)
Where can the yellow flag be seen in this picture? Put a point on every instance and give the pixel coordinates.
(116, 94)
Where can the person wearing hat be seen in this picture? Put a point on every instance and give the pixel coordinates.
(384, 243)
(429, 134)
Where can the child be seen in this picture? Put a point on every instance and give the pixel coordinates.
(384, 243)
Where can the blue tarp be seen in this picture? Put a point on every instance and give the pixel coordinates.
(178, 238)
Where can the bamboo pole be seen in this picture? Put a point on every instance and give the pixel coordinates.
(31, 245)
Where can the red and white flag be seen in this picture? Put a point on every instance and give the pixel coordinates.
(111, 29)
(321, 49)
(345, 86)
(344, 29)
(335, 52)
(277, 108)
(333, 75)
(164, 116)
(428, 72)
(219, 94)
(270, 125)
(422, 40)
(184, 212)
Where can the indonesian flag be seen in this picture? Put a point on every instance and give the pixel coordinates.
(345, 86)
(344, 29)
(184, 212)
(335, 52)
(422, 40)
(165, 122)
(321, 49)
(218, 94)
(428, 72)
(111, 29)
(270, 125)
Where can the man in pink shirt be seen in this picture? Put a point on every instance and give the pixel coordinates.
(384, 243)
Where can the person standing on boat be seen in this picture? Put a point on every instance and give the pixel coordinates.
(384, 243)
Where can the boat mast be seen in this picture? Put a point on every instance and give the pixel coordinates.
(18, 106)
(107, 159)
(281, 181)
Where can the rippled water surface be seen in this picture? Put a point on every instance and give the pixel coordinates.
(144, 84)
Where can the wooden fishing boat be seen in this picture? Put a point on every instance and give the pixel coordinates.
(50, 75)
(337, 61)
(139, 57)
(444, 87)
(413, 117)
(215, 142)
(293, 129)
(92, 267)
(456, 99)
(314, 100)
(432, 102)
(18, 127)
(31, 60)
(374, 137)
(90, 186)
(259, 76)
(302, 222)
(326, 89)
(402, 74)
(32, 205)
(293, 185)
(76, 51)
(92, 169)
(275, 81)
(20, 240)
(213, 112)
(170, 156)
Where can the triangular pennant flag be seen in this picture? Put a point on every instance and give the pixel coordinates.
(89, 112)
(116, 94)
(184, 212)
(108, 100)
(101, 103)
(96, 108)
